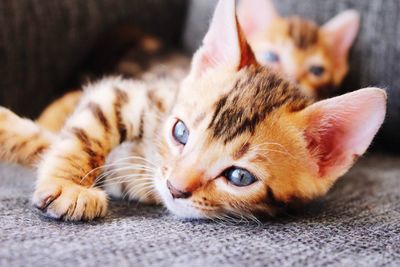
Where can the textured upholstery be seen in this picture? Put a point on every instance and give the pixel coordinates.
(43, 43)
(356, 224)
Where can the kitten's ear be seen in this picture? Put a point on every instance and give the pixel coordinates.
(340, 129)
(256, 15)
(224, 44)
(341, 31)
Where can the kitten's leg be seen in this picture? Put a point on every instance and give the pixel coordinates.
(21, 140)
(56, 114)
(109, 113)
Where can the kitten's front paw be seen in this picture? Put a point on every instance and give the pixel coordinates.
(62, 199)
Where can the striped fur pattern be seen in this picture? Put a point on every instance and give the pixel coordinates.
(22, 141)
(114, 117)
(314, 56)
(173, 65)
(120, 141)
(299, 43)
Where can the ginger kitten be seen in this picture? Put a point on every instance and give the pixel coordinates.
(313, 56)
(233, 139)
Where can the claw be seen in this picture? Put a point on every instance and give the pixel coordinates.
(46, 202)
(66, 201)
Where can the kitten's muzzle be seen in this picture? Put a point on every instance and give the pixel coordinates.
(176, 193)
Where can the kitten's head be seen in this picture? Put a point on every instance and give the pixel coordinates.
(241, 140)
(315, 57)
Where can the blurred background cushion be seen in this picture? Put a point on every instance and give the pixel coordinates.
(375, 57)
(43, 43)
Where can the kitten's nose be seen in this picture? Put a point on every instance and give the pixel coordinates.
(176, 193)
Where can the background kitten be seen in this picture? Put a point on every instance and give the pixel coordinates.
(315, 57)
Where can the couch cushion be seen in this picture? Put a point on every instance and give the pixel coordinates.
(44, 43)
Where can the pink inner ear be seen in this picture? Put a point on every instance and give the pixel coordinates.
(224, 44)
(327, 143)
(342, 128)
(342, 30)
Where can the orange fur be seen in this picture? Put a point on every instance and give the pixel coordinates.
(237, 114)
(296, 61)
(267, 31)
(301, 44)
(54, 116)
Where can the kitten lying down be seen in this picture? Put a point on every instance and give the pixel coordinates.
(232, 138)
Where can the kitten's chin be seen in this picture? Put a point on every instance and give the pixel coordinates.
(183, 210)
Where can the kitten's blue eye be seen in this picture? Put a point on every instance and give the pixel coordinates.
(180, 132)
(239, 176)
(317, 70)
(270, 57)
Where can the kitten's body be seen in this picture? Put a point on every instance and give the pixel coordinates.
(170, 65)
(234, 138)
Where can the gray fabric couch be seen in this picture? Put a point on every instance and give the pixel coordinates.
(356, 224)
(43, 45)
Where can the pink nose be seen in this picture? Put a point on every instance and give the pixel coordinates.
(176, 193)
